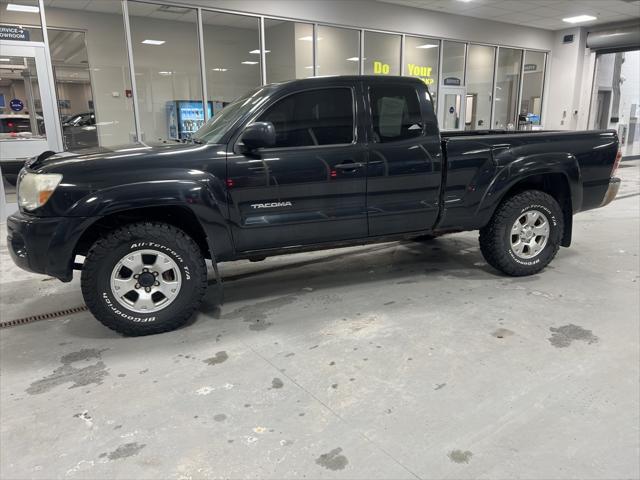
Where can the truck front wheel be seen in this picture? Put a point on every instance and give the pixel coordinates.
(524, 234)
(144, 278)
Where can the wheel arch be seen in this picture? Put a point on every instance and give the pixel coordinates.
(177, 215)
(557, 175)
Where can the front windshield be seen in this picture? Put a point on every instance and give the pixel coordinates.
(219, 124)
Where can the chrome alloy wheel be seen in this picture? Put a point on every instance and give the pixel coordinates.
(145, 281)
(529, 234)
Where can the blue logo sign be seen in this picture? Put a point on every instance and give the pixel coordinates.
(452, 110)
(16, 105)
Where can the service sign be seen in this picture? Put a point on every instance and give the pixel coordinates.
(13, 32)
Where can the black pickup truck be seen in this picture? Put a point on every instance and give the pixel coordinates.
(300, 165)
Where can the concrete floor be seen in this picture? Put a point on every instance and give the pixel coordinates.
(401, 360)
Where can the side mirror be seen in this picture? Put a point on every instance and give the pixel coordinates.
(258, 135)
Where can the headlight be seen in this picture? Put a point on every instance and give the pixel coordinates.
(35, 189)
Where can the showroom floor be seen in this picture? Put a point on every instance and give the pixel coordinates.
(400, 360)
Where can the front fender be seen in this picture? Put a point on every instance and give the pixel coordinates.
(520, 169)
(200, 192)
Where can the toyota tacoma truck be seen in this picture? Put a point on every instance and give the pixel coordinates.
(296, 166)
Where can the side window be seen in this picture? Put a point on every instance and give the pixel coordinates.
(396, 112)
(314, 117)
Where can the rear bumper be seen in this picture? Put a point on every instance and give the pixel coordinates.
(612, 191)
(44, 244)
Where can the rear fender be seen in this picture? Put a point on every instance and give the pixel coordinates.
(508, 177)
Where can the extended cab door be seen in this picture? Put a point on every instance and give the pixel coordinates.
(310, 187)
(405, 160)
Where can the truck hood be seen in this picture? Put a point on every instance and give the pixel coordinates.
(122, 157)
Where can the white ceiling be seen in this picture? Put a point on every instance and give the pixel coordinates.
(546, 14)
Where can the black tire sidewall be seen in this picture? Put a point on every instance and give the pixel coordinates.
(107, 303)
(552, 211)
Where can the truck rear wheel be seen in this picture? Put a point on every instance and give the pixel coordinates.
(144, 278)
(524, 234)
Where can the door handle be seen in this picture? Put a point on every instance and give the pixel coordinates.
(348, 166)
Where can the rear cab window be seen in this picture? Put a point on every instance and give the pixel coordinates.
(395, 113)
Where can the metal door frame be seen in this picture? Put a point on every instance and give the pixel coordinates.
(38, 51)
(452, 90)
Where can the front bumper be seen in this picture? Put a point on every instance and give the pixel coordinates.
(612, 191)
(44, 244)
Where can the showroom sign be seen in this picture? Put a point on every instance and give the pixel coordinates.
(9, 32)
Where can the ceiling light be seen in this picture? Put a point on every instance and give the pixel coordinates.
(5, 59)
(14, 7)
(353, 59)
(311, 66)
(257, 52)
(218, 69)
(164, 73)
(428, 45)
(247, 62)
(579, 19)
(153, 42)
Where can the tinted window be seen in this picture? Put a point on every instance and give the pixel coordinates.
(316, 117)
(396, 112)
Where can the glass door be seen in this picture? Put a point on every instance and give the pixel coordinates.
(451, 108)
(28, 119)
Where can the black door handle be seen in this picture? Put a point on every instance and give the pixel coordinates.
(348, 166)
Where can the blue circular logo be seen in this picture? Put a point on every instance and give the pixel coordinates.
(451, 109)
(16, 105)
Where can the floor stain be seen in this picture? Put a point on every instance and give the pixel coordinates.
(502, 333)
(68, 373)
(277, 383)
(562, 337)
(440, 385)
(124, 451)
(218, 359)
(221, 417)
(458, 456)
(333, 460)
(257, 313)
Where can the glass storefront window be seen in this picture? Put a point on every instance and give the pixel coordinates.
(167, 68)
(381, 54)
(507, 84)
(336, 49)
(615, 101)
(480, 66)
(26, 17)
(288, 50)
(91, 75)
(532, 84)
(421, 60)
(232, 57)
(452, 63)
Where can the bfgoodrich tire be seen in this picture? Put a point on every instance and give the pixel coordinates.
(524, 234)
(144, 278)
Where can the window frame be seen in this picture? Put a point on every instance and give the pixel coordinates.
(371, 130)
(264, 108)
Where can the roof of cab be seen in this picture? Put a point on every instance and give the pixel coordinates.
(331, 79)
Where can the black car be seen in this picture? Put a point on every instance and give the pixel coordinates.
(300, 165)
